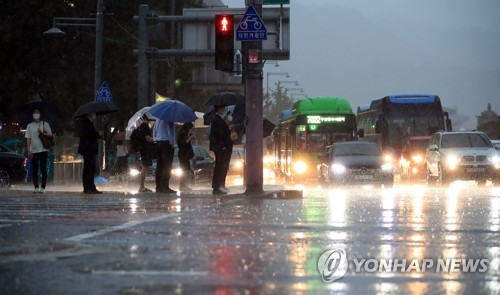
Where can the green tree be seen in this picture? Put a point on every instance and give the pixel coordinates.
(275, 102)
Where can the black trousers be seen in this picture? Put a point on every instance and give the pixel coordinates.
(164, 159)
(222, 158)
(39, 160)
(89, 168)
(185, 165)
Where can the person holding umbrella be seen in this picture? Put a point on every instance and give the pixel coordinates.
(37, 153)
(221, 144)
(163, 135)
(89, 148)
(166, 113)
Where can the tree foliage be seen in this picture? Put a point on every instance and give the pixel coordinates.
(275, 102)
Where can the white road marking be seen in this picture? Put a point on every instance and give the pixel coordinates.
(5, 225)
(52, 256)
(130, 224)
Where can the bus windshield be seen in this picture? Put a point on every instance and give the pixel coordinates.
(401, 127)
(317, 141)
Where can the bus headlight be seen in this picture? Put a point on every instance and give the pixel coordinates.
(417, 158)
(387, 167)
(300, 167)
(134, 172)
(495, 160)
(338, 168)
(452, 161)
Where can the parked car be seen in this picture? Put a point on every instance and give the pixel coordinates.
(461, 156)
(12, 167)
(355, 162)
(413, 157)
(202, 167)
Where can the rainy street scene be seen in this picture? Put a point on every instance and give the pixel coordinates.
(250, 147)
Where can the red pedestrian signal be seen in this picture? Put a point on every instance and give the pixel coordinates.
(224, 42)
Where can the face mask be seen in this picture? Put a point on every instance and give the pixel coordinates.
(230, 118)
(36, 116)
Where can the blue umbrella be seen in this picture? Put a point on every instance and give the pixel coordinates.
(172, 111)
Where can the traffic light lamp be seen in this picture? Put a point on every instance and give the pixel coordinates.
(224, 42)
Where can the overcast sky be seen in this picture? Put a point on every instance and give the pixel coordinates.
(363, 50)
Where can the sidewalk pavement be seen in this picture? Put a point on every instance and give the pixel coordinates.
(116, 187)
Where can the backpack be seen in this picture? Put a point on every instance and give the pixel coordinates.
(136, 140)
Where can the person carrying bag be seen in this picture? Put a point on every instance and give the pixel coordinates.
(36, 132)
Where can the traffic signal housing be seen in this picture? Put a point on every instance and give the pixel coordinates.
(224, 42)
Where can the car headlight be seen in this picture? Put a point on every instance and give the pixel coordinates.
(417, 158)
(134, 172)
(495, 160)
(452, 161)
(338, 168)
(268, 159)
(177, 172)
(388, 158)
(387, 167)
(300, 167)
(238, 164)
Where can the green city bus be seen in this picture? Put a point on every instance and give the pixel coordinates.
(303, 133)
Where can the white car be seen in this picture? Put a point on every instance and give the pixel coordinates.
(461, 156)
(496, 144)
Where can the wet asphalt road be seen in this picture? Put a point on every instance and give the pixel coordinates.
(122, 243)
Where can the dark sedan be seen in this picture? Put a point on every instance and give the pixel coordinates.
(12, 167)
(354, 162)
(202, 167)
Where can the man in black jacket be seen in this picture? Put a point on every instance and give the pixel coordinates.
(221, 145)
(89, 148)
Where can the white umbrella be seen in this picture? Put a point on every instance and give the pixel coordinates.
(136, 120)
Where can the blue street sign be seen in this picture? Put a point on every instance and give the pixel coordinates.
(251, 27)
(104, 94)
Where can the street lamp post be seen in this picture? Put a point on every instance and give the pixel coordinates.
(295, 89)
(98, 23)
(296, 83)
(274, 73)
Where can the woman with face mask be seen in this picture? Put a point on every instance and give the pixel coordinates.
(37, 153)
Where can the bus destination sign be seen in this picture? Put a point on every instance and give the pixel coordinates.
(324, 119)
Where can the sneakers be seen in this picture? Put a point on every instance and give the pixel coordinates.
(224, 189)
(145, 190)
(39, 190)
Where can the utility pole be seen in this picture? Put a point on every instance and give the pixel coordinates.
(252, 52)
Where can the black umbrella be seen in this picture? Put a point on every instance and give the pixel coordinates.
(238, 114)
(48, 113)
(225, 99)
(97, 107)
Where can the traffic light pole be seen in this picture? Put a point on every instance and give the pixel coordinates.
(253, 93)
